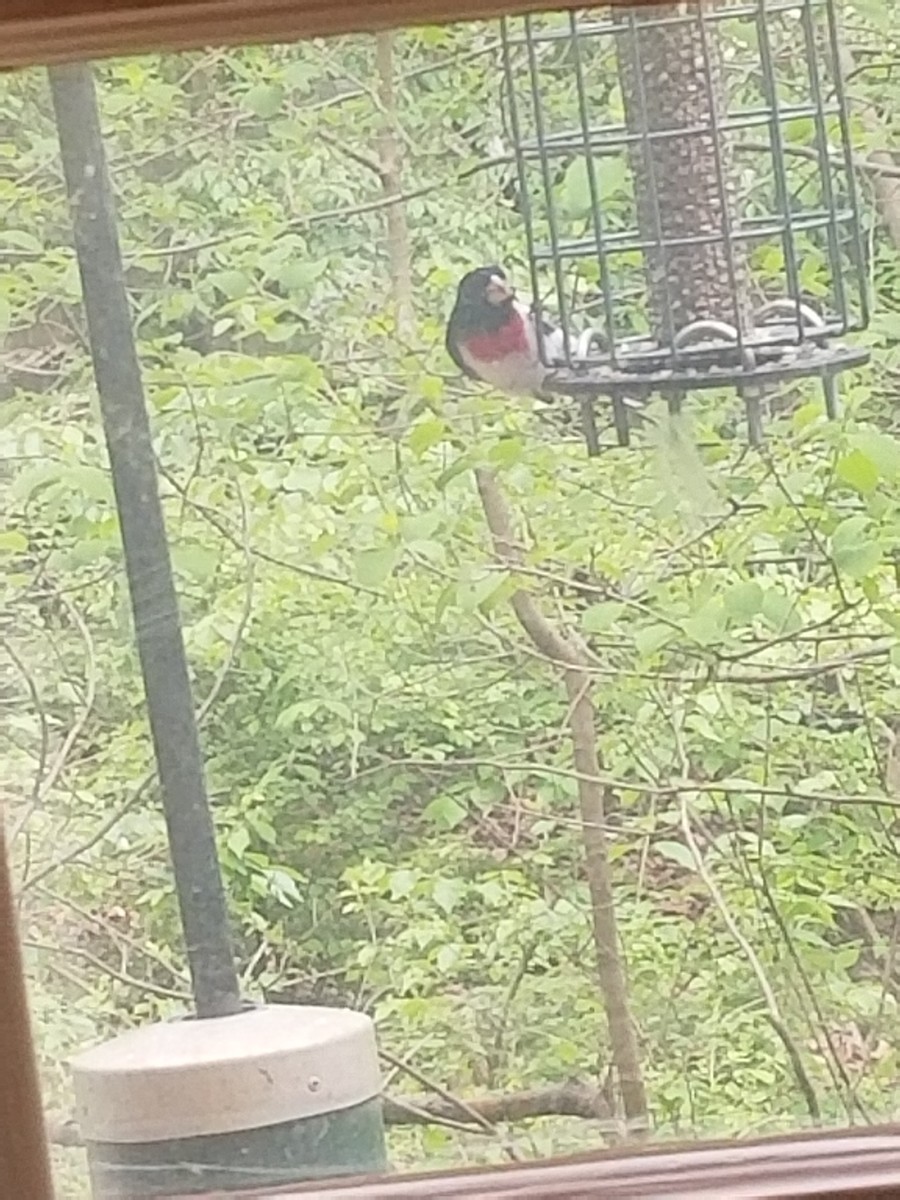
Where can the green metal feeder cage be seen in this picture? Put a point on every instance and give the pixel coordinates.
(686, 181)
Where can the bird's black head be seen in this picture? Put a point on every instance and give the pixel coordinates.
(485, 286)
(485, 304)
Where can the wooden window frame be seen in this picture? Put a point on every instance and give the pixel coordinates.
(845, 1164)
(41, 32)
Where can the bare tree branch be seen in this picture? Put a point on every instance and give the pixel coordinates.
(565, 1100)
(572, 1099)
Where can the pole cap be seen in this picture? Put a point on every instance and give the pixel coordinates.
(189, 1077)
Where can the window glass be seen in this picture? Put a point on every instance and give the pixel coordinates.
(576, 772)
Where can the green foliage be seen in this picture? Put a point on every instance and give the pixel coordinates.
(387, 758)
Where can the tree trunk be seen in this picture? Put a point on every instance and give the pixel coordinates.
(567, 654)
(389, 162)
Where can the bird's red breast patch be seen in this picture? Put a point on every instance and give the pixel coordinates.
(511, 338)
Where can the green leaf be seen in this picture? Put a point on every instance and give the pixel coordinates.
(609, 178)
(458, 467)
(651, 638)
(263, 829)
(445, 811)
(447, 893)
(843, 959)
(284, 887)
(780, 612)
(850, 531)
(298, 274)
(858, 470)
(277, 335)
(89, 550)
(425, 434)
(799, 129)
(854, 550)
(676, 852)
(857, 560)
(430, 388)
(264, 100)
(195, 559)
(744, 600)
(402, 883)
(576, 189)
(434, 35)
(13, 542)
(419, 527)
(374, 567)
(290, 715)
(23, 240)
(445, 600)
(303, 478)
(92, 482)
(298, 73)
(235, 284)
(446, 959)
(600, 618)
(706, 626)
(470, 596)
(238, 841)
(507, 451)
(882, 450)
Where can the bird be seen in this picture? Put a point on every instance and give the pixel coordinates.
(492, 335)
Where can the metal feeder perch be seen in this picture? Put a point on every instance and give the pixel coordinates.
(686, 182)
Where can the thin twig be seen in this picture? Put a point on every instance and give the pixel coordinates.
(420, 1077)
(149, 778)
(41, 712)
(152, 989)
(775, 1018)
(212, 517)
(60, 759)
(671, 788)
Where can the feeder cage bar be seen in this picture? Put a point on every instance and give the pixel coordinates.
(687, 187)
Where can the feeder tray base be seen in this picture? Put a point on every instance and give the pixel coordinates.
(638, 384)
(624, 388)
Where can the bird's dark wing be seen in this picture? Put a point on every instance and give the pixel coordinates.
(452, 345)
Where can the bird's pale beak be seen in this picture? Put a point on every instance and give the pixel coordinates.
(498, 290)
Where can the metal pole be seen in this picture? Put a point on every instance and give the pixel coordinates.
(173, 725)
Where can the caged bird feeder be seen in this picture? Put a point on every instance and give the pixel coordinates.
(686, 182)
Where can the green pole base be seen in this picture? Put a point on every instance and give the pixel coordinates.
(270, 1097)
(348, 1142)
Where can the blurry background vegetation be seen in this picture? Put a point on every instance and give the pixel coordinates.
(387, 755)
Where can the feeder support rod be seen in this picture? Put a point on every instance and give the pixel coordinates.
(126, 426)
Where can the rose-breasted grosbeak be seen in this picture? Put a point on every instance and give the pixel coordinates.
(491, 335)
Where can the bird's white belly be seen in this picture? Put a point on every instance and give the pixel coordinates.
(517, 373)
